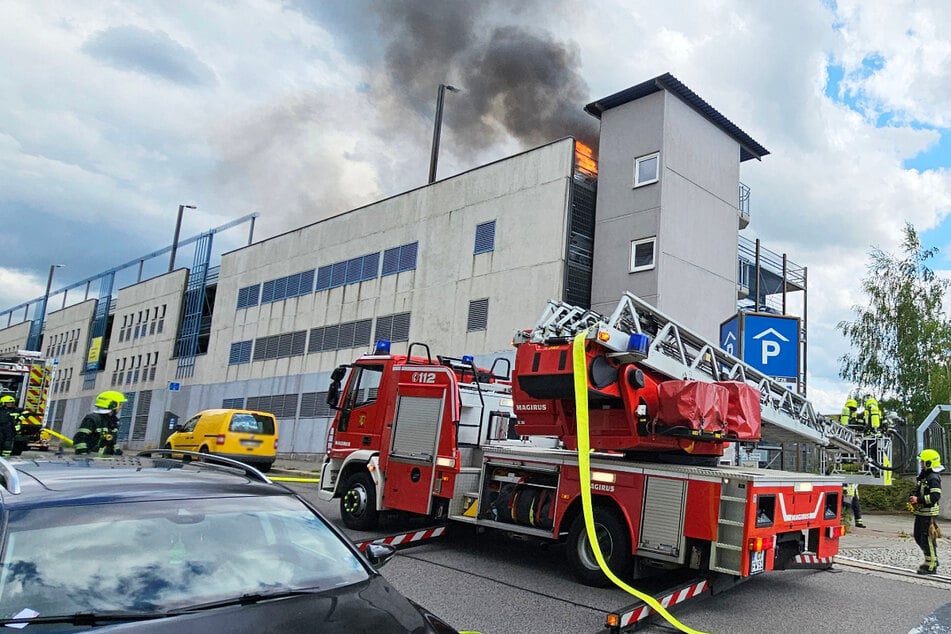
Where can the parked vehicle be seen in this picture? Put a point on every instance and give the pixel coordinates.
(241, 434)
(149, 543)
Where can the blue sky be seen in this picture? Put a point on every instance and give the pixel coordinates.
(934, 157)
(116, 112)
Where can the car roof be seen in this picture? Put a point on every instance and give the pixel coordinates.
(220, 411)
(78, 481)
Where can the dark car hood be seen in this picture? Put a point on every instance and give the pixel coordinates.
(373, 607)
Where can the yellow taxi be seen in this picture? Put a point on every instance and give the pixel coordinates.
(244, 435)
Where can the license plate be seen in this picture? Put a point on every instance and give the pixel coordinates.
(250, 443)
(758, 562)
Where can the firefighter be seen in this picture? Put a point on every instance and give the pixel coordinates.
(924, 504)
(851, 493)
(872, 416)
(98, 430)
(9, 424)
(848, 415)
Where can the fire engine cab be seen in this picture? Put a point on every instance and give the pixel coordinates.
(497, 447)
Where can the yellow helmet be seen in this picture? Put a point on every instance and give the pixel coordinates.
(6, 398)
(110, 399)
(851, 403)
(930, 458)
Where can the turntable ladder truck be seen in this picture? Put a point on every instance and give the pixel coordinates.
(451, 441)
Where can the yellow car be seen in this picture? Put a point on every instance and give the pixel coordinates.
(244, 435)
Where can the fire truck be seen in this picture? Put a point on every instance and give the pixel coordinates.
(26, 376)
(497, 448)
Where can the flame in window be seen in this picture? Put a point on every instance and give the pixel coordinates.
(584, 160)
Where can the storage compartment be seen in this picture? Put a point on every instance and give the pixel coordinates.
(519, 496)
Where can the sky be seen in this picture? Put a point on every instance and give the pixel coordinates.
(114, 113)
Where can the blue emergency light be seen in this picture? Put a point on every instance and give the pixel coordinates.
(638, 343)
(382, 347)
(468, 358)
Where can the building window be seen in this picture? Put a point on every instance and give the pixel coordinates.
(288, 344)
(642, 254)
(393, 327)
(352, 334)
(351, 271)
(485, 237)
(233, 403)
(478, 315)
(248, 296)
(647, 169)
(399, 259)
(314, 405)
(240, 352)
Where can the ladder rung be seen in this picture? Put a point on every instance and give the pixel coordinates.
(730, 523)
(727, 546)
(731, 498)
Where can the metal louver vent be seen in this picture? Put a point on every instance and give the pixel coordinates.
(478, 315)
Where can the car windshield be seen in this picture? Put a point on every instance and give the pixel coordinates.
(158, 556)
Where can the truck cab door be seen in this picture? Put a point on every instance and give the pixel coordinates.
(420, 416)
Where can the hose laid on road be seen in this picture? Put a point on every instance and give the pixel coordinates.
(584, 467)
(290, 479)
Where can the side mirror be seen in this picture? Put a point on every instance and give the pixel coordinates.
(379, 554)
(333, 394)
(337, 375)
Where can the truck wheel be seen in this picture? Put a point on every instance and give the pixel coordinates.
(358, 502)
(615, 542)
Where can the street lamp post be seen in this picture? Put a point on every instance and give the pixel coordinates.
(49, 285)
(178, 228)
(440, 96)
(36, 336)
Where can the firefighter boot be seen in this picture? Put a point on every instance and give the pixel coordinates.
(928, 568)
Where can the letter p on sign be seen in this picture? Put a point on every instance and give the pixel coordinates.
(770, 349)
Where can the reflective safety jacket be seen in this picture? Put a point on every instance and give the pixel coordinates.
(96, 433)
(928, 492)
(10, 420)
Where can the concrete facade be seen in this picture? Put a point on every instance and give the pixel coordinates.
(691, 210)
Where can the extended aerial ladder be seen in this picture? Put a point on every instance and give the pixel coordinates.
(638, 332)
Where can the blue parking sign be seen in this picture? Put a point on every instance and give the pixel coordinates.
(771, 344)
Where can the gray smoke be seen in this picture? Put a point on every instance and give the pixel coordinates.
(522, 81)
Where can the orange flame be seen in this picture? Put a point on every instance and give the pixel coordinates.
(584, 160)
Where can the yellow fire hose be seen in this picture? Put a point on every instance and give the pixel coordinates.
(50, 432)
(290, 479)
(584, 467)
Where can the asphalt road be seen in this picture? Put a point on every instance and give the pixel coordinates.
(495, 585)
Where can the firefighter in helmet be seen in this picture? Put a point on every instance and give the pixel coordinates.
(848, 415)
(9, 424)
(872, 416)
(924, 504)
(99, 429)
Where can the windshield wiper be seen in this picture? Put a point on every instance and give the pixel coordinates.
(85, 618)
(246, 599)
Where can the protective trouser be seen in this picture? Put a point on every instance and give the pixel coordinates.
(924, 537)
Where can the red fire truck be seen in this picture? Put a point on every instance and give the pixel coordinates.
(26, 376)
(445, 438)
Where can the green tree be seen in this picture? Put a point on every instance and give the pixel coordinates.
(900, 341)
